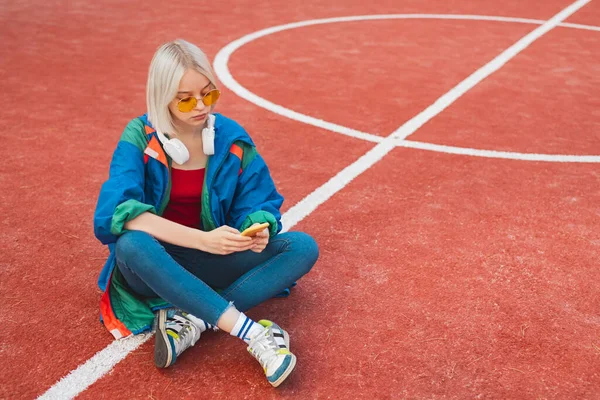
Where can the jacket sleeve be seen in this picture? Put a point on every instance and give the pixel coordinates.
(122, 196)
(256, 198)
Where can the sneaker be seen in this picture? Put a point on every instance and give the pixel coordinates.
(271, 349)
(173, 336)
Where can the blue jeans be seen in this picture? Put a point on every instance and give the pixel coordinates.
(187, 278)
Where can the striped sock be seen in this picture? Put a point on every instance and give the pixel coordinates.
(200, 323)
(245, 328)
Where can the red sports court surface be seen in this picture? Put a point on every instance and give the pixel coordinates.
(441, 275)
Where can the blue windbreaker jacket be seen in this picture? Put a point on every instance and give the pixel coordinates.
(238, 191)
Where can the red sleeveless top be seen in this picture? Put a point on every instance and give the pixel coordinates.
(185, 203)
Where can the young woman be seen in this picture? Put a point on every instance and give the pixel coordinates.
(183, 184)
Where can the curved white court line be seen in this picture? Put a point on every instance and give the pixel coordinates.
(96, 367)
(579, 26)
(222, 71)
(507, 155)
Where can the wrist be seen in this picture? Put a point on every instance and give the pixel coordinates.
(199, 239)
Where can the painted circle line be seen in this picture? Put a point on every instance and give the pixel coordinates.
(222, 71)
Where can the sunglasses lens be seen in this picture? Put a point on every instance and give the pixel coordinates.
(187, 104)
(211, 97)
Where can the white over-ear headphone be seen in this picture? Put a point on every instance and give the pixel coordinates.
(177, 150)
(208, 136)
(174, 148)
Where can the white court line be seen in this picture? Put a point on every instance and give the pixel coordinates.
(228, 80)
(79, 379)
(93, 369)
(225, 76)
(580, 26)
(323, 193)
(508, 155)
(443, 102)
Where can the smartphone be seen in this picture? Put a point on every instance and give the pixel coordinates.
(253, 230)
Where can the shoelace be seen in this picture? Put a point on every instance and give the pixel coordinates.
(264, 349)
(187, 335)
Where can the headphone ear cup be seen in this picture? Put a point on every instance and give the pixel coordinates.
(208, 141)
(177, 150)
(208, 136)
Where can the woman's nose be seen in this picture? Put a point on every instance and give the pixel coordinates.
(199, 104)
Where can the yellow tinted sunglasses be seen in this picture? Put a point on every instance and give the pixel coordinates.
(187, 104)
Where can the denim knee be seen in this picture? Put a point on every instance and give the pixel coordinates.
(131, 244)
(306, 247)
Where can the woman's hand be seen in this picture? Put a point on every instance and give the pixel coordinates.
(260, 241)
(225, 240)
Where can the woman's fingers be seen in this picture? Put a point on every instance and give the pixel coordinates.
(237, 245)
(234, 236)
(232, 241)
(260, 241)
(263, 233)
(252, 244)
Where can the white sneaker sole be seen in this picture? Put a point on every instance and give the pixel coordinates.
(162, 347)
(287, 372)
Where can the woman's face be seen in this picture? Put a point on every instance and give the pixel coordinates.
(194, 84)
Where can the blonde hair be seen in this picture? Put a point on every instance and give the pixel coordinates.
(168, 65)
